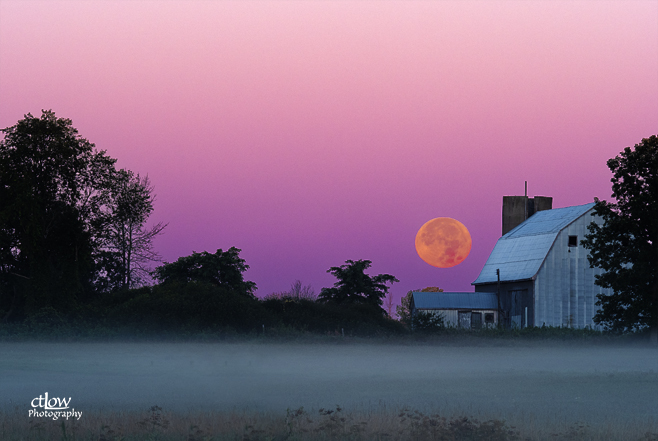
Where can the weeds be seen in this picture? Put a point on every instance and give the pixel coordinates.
(300, 425)
(108, 434)
(434, 427)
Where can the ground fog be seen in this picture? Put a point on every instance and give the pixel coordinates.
(577, 383)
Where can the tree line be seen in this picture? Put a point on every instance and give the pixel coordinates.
(75, 245)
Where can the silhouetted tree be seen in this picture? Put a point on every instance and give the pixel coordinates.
(625, 246)
(403, 311)
(58, 198)
(223, 268)
(297, 292)
(355, 286)
(126, 244)
(52, 182)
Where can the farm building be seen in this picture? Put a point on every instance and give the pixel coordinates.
(459, 309)
(545, 277)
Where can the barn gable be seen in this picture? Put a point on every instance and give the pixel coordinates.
(521, 252)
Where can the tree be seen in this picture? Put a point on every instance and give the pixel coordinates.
(50, 182)
(126, 245)
(297, 292)
(355, 286)
(403, 310)
(58, 195)
(301, 292)
(625, 246)
(223, 268)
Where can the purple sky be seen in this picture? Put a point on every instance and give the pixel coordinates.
(309, 133)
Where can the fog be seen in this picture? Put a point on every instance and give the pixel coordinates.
(591, 383)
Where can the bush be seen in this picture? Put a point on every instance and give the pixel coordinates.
(187, 307)
(353, 319)
(424, 321)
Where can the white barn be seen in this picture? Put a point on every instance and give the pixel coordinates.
(545, 277)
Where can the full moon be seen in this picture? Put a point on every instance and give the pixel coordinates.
(443, 242)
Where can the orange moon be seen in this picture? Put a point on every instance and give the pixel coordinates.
(443, 242)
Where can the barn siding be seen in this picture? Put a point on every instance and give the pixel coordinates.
(565, 294)
(451, 316)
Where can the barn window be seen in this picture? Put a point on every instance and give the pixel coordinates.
(573, 241)
(488, 318)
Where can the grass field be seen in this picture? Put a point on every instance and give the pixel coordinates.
(334, 389)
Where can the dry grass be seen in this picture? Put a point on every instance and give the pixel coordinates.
(298, 424)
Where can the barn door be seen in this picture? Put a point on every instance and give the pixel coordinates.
(476, 320)
(516, 313)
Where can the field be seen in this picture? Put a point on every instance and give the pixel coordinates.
(348, 389)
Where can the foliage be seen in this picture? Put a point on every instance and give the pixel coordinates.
(424, 321)
(52, 186)
(297, 292)
(59, 201)
(403, 311)
(192, 307)
(330, 318)
(354, 286)
(625, 246)
(223, 268)
(432, 289)
(126, 245)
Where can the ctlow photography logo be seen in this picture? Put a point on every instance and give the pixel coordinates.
(52, 408)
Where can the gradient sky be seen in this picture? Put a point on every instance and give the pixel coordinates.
(307, 133)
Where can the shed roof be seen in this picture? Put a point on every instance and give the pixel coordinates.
(455, 300)
(520, 253)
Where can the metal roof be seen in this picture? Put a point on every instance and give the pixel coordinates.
(455, 300)
(520, 253)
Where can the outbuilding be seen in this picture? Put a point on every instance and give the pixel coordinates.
(470, 310)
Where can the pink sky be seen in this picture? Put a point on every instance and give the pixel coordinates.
(309, 133)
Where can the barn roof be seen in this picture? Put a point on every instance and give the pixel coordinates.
(455, 300)
(520, 253)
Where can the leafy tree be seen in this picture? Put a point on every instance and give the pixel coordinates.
(126, 245)
(51, 180)
(223, 268)
(403, 310)
(432, 289)
(625, 246)
(58, 195)
(355, 286)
